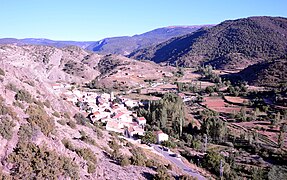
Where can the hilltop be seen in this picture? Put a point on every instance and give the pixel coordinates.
(232, 44)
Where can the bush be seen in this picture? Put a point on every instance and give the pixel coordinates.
(87, 154)
(23, 95)
(18, 104)
(56, 114)
(6, 128)
(125, 161)
(66, 115)
(62, 122)
(68, 144)
(47, 103)
(33, 162)
(27, 131)
(81, 119)
(168, 144)
(2, 72)
(39, 117)
(72, 124)
(11, 87)
(87, 139)
(91, 167)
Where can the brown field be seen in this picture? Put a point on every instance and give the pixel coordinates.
(219, 105)
(236, 100)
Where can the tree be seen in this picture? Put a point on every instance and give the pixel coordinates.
(149, 137)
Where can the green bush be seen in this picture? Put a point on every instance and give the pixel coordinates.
(33, 162)
(6, 128)
(39, 117)
(23, 95)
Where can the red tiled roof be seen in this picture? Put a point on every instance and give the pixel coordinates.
(141, 119)
(118, 115)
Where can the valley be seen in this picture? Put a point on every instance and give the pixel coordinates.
(207, 103)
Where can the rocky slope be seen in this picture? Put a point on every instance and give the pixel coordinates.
(231, 44)
(39, 135)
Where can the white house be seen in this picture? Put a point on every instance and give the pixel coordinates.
(161, 136)
(141, 120)
(115, 126)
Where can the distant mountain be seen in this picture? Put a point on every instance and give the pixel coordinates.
(230, 45)
(47, 42)
(126, 44)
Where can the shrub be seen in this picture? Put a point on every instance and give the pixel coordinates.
(87, 139)
(38, 102)
(31, 83)
(138, 157)
(62, 122)
(114, 145)
(72, 124)
(68, 144)
(124, 161)
(56, 114)
(33, 162)
(23, 95)
(39, 117)
(18, 104)
(2, 72)
(91, 167)
(47, 103)
(66, 115)
(27, 131)
(81, 119)
(11, 87)
(87, 154)
(6, 128)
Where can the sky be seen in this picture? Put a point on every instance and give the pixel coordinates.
(91, 20)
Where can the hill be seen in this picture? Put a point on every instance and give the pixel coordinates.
(45, 136)
(230, 45)
(270, 74)
(127, 44)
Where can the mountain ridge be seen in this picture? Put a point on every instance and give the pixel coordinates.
(256, 38)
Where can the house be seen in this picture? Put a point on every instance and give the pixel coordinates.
(141, 121)
(134, 130)
(131, 103)
(115, 126)
(123, 117)
(161, 136)
(57, 86)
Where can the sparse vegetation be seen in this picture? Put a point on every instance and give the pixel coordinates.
(6, 127)
(23, 95)
(39, 117)
(2, 72)
(31, 161)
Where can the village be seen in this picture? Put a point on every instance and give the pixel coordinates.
(115, 112)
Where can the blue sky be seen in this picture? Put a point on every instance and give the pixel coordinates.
(84, 20)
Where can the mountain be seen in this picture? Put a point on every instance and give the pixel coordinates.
(127, 44)
(47, 42)
(115, 45)
(231, 44)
